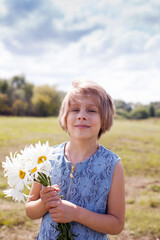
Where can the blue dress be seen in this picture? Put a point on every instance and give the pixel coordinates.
(89, 188)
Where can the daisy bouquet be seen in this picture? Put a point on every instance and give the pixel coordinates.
(29, 165)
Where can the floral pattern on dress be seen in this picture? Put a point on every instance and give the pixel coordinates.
(89, 189)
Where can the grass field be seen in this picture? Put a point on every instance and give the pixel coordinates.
(136, 142)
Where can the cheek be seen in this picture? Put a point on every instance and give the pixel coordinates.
(97, 120)
(97, 123)
(69, 120)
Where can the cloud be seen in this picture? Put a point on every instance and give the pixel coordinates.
(3, 9)
(115, 43)
(32, 25)
(153, 43)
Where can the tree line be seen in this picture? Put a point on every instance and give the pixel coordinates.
(136, 111)
(21, 98)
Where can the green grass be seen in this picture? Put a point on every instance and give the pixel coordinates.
(16, 130)
(143, 215)
(14, 216)
(155, 188)
(142, 221)
(136, 142)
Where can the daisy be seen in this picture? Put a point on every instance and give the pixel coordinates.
(30, 164)
(38, 158)
(16, 195)
(16, 172)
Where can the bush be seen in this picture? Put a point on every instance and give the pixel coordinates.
(4, 104)
(45, 101)
(139, 113)
(152, 111)
(158, 113)
(121, 113)
(19, 108)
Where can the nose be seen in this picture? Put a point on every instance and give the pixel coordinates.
(82, 115)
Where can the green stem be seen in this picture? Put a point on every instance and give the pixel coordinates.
(43, 179)
(41, 176)
(49, 179)
(63, 228)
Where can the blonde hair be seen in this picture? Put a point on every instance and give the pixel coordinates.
(89, 88)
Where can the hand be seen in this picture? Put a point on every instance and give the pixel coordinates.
(48, 194)
(62, 211)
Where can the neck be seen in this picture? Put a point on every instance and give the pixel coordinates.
(78, 151)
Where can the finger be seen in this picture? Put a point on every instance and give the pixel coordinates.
(53, 193)
(55, 219)
(49, 194)
(53, 210)
(49, 189)
(56, 187)
(58, 219)
(52, 199)
(53, 204)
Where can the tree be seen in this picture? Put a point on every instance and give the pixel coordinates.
(4, 104)
(28, 90)
(20, 90)
(122, 108)
(139, 113)
(158, 113)
(4, 86)
(19, 107)
(123, 105)
(152, 111)
(46, 101)
(18, 81)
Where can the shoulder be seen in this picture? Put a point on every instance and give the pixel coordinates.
(57, 153)
(108, 155)
(119, 169)
(118, 175)
(58, 148)
(118, 181)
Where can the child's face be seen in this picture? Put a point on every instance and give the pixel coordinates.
(83, 120)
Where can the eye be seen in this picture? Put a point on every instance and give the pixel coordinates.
(75, 110)
(91, 110)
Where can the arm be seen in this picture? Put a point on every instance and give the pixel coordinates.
(37, 205)
(111, 223)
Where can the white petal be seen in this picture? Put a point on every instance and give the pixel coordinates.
(16, 195)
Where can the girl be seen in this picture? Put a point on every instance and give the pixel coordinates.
(89, 176)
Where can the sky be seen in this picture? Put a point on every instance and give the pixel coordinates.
(115, 43)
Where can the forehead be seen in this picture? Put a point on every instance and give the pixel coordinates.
(88, 99)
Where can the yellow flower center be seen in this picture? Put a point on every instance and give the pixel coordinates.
(41, 159)
(34, 170)
(22, 174)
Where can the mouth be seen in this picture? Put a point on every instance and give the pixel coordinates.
(81, 126)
